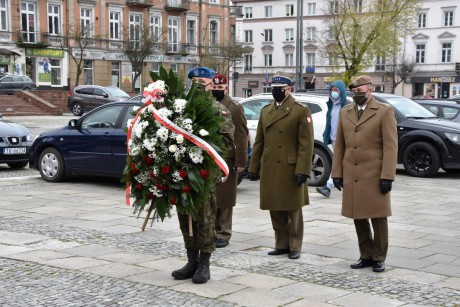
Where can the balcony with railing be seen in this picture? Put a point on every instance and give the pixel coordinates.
(236, 11)
(30, 39)
(177, 48)
(177, 5)
(139, 3)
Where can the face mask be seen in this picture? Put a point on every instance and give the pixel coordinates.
(335, 95)
(278, 94)
(219, 94)
(359, 98)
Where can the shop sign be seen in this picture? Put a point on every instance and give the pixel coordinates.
(253, 84)
(50, 53)
(453, 79)
(443, 80)
(5, 37)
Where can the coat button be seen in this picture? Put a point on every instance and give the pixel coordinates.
(279, 146)
(356, 163)
(279, 161)
(356, 180)
(280, 131)
(356, 129)
(268, 130)
(355, 147)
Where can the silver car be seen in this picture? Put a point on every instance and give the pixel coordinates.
(15, 141)
(87, 97)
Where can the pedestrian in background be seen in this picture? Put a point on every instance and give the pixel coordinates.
(202, 244)
(282, 156)
(364, 164)
(337, 99)
(236, 160)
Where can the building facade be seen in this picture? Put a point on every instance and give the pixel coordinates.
(37, 38)
(269, 30)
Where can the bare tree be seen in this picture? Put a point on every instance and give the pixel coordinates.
(399, 72)
(359, 30)
(223, 57)
(78, 39)
(139, 42)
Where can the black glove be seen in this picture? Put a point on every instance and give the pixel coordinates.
(300, 179)
(338, 183)
(253, 176)
(385, 185)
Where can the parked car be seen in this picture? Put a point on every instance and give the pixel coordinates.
(421, 97)
(425, 142)
(455, 98)
(84, 98)
(316, 101)
(442, 108)
(11, 83)
(93, 145)
(15, 141)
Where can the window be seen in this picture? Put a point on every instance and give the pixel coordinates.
(135, 24)
(268, 11)
(421, 20)
(311, 34)
(173, 66)
(268, 35)
(446, 53)
(289, 34)
(310, 60)
(248, 62)
(289, 10)
(88, 72)
(86, 21)
(289, 59)
(106, 115)
(191, 32)
(156, 67)
(268, 60)
(448, 18)
(419, 54)
(311, 9)
(155, 27)
(214, 1)
(380, 63)
(334, 7)
(330, 33)
(54, 19)
(114, 25)
(173, 34)
(333, 59)
(248, 12)
(213, 33)
(116, 74)
(358, 6)
(28, 22)
(248, 36)
(3, 15)
(55, 71)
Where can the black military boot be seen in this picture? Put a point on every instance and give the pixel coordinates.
(190, 268)
(202, 274)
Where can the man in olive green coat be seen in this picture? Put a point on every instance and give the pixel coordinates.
(236, 160)
(364, 164)
(282, 157)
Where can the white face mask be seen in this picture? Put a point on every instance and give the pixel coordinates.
(335, 95)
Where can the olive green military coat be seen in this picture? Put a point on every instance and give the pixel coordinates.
(237, 157)
(365, 151)
(283, 148)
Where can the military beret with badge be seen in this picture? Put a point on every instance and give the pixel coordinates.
(201, 72)
(358, 81)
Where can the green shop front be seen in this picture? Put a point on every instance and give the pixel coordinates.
(47, 66)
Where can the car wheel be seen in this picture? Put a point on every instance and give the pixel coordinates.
(51, 165)
(421, 159)
(77, 109)
(26, 89)
(321, 168)
(17, 165)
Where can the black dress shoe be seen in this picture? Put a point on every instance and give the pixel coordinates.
(277, 252)
(221, 243)
(379, 266)
(361, 264)
(294, 255)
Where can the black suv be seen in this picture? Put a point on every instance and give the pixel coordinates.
(425, 142)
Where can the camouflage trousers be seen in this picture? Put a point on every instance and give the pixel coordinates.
(204, 234)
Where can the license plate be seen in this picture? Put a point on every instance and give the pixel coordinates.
(14, 151)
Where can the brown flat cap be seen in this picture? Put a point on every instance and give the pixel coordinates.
(361, 80)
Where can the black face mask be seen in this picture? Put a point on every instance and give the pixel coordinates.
(359, 98)
(219, 94)
(278, 94)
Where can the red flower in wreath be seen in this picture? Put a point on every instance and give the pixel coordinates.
(148, 160)
(204, 173)
(139, 186)
(152, 174)
(151, 196)
(186, 189)
(182, 173)
(161, 187)
(165, 169)
(134, 168)
(172, 200)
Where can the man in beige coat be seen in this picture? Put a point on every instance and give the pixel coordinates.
(236, 160)
(282, 156)
(364, 164)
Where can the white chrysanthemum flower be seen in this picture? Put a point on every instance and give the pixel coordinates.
(165, 112)
(149, 144)
(162, 133)
(195, 154)
(155, 191)
(179, 105)
(140, 127)
(135, 150)
(179, 139)
(172, 148)
(176, 177)
(129, 122)
(136, 108)
(203, 132)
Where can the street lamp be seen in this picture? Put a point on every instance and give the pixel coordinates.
(266, 70)
(299, 45)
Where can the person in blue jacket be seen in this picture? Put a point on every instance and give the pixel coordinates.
(337, 99)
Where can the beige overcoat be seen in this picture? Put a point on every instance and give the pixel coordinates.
(238, 157)
(283, 147)
(365, 151)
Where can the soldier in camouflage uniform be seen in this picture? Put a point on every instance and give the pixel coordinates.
(202, 243)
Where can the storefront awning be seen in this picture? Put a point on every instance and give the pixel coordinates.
(10, 52)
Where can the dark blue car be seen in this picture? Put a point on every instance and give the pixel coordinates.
(93, 145)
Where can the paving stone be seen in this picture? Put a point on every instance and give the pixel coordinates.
(14, 238)
(91, 250)
(259, 297)
(414, 276)
(157, 278)
(74, 263)
(212, 289)
(259, 281)
(364, 299)
(38, 255)
(312, 292)
(116, 270)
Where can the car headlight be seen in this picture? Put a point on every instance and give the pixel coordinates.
(30, 137)
(454, 137)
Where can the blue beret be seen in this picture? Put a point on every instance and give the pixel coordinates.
(201, 72)
(281, 81)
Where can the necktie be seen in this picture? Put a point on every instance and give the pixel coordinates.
(360, 112)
